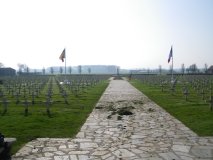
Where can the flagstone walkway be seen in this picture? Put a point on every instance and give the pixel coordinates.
(149, 133)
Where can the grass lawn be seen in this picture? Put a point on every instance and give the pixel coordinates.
(194, 113)
(64, 120)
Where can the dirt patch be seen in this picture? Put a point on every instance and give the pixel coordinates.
(137, 102)
(118, 109)
(117, 78)
(124, 111)
(151, 110)
(119, 112)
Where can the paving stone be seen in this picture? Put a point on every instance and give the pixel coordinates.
(88, 145)
(24, 151)
(181, 148)
(61, 158)
(182, 154)
(202, 151)
(34, 150)
(80, 135)
(100, 153)
(78, 152)
(124, 153)
(73, 157)
(186, 158)
(62, 147)
(72, 146)
(84, 157)
(48, 154)
(153, 158)
(59, 153)
(82, 140)
(138, 136)
(49, 149)
(111, 158)
(169, 156)
(42, 158)
(43, 139)
(106, 156)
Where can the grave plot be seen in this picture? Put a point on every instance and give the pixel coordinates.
(40, 106)
(39, 91)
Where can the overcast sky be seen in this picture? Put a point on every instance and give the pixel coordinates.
(127, 33)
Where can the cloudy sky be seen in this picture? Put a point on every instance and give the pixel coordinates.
(127, 33)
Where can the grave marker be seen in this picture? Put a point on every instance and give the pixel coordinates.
(186, 93)
(5, 105)
(211, 103)
(203, 94)
(26, 106)
(48, 103)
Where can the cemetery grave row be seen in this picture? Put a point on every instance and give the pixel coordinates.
(191, 87)
(45, 91)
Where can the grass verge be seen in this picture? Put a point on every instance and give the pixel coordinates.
(194, 113)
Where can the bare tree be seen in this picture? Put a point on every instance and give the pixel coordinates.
(51, 70)
(1, 65)
(27, 69)
(89, 70)
(61, 70)
(20, 68)
(187, 70)
(182, 68)
(79, 69)
(148, 70)
(193, 68)
(70, 69)
(205, 68)
(43, 71)
(160, 69)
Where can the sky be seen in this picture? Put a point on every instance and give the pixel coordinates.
(128, 33)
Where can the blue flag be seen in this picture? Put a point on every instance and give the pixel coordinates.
(170, 55)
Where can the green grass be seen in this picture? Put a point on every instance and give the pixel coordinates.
(63, 121)
(194, 113)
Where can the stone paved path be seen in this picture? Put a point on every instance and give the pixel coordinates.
(149, 133)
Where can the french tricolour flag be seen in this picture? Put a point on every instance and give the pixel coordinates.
(62, 56)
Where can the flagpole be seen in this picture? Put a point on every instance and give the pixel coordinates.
(172, 63)
(65, 64)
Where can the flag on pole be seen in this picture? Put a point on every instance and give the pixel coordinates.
(62, 56)
(170, 55)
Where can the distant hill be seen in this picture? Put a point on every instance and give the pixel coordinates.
(86, 69)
